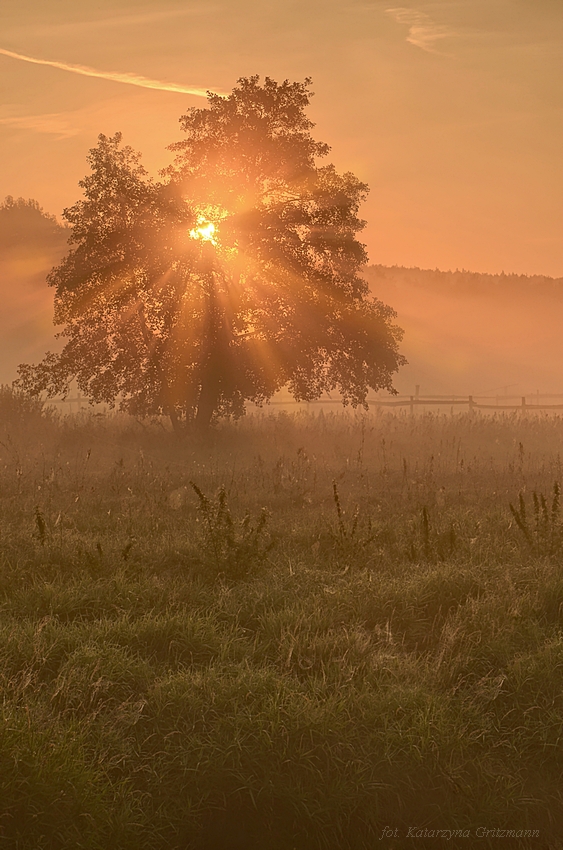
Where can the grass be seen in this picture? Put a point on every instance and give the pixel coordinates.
(302, 633)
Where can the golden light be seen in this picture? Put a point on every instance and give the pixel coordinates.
(205, 231)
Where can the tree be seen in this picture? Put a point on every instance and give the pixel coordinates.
(236, 275)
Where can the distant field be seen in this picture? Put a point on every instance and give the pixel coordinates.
(343, 632)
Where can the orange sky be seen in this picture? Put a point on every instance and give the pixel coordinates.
(451, 111)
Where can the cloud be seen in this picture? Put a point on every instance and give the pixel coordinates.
(129, 79)
(49, 123)
(423, 31)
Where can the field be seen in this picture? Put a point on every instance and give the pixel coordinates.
(304, 632)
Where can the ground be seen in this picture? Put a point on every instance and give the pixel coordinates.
(343, 632)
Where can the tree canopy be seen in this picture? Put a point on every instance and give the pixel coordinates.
(236, 274)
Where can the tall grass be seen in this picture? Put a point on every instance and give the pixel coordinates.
(307, 632)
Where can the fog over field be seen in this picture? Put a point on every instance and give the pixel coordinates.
(31, 243)
(468, 333)
(465, 333)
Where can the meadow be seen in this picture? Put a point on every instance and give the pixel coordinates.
(308, 631)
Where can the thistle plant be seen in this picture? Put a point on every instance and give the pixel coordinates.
(542, 531)
(234, 550)
(352, 536)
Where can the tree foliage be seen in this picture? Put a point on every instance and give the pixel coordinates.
(235, 275)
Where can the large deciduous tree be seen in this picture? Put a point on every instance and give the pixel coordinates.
(237, 274)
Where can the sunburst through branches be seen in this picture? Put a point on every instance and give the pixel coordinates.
(237, 275)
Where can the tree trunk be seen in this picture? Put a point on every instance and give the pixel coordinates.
(208, 397)
(176, 424)
(211, 361)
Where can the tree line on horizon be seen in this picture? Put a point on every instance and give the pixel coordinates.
(462, 281)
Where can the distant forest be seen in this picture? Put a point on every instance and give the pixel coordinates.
(473, 333)
(388, 278)
(25, 226)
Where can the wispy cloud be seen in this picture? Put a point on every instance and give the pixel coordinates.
(129, 79)
(51, 123)
(423, 31)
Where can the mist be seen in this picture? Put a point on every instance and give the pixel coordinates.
(469, 333)
(464, 333)
(31, 243)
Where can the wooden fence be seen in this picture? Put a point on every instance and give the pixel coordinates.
(534, 401)
(521, 403)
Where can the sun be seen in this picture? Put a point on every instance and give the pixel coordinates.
(205, 230)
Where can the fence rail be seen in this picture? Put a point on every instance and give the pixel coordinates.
(524, 404)
(532, 401)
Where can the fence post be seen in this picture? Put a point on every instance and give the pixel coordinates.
(412, 405)
(523, 404)
(471, 404)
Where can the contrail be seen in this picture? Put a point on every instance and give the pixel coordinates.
(130, 79)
